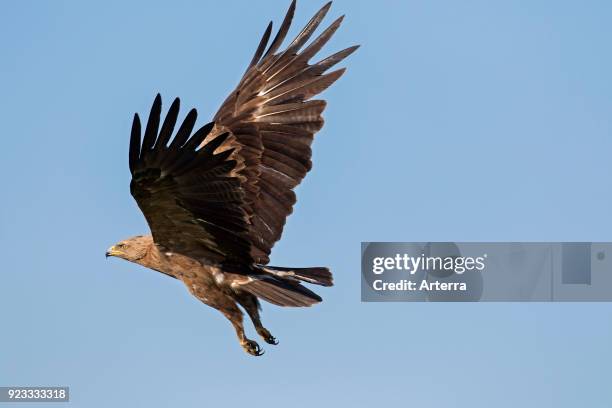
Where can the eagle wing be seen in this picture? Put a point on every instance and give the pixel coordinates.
(272, 120)
(192, 198)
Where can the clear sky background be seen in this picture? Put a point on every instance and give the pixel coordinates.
(457, 120)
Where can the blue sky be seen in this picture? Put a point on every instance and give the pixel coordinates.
(465, 121)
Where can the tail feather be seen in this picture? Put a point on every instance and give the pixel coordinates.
(282, 287)
(281, 292)
(315, 275)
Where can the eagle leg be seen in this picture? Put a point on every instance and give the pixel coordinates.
(234, 315)
(226, 304)
(250, 303)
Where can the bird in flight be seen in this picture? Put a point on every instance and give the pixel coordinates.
(216, 199)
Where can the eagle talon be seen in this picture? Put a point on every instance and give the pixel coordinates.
(252, 348)
(271, 340)
(267, 336)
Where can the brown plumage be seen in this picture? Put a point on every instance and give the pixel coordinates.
(216, 199)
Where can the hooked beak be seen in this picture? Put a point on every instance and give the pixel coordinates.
(112, 251)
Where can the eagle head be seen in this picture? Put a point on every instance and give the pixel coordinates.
(131, 249)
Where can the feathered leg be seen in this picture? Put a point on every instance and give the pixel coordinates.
(250, 303)
(221, 301)
(234, 315)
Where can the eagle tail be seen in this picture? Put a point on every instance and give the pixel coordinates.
(281, 292)
(282, 287)
(316, 275)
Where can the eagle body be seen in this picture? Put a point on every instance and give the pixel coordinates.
(217, 197)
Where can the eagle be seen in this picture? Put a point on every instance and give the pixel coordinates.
(216, 197)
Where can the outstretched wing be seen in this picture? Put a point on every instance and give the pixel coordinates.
(273, 118)
(192, 198)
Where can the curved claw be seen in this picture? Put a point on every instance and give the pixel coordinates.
(252, 348)
(267, 336)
